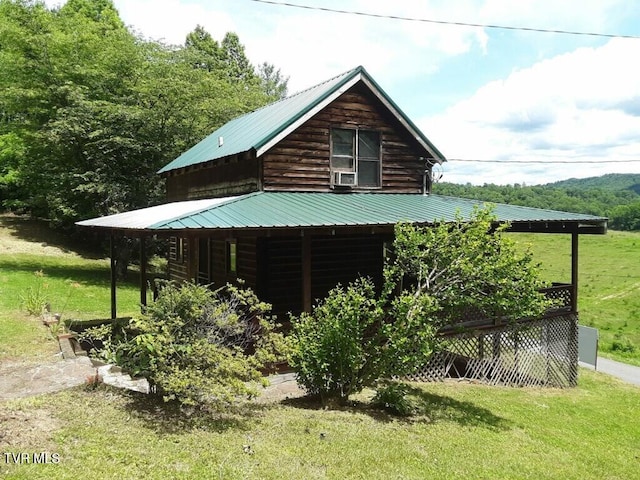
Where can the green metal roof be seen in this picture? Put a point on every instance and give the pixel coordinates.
(272, 210)
(262, 128)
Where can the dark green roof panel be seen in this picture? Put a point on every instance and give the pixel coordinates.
(284, 209)
(256, 129)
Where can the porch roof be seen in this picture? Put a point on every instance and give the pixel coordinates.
(289, 210)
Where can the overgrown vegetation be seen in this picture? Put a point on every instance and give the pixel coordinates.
(357, 337)
(194, 345)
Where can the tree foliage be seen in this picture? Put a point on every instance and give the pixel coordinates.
(89, 111)
(196, 346)
(595, 196)
(357, 336)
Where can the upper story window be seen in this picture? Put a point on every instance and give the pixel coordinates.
(355, 157)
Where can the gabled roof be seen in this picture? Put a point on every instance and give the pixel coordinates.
(287, 210)
(263, 128)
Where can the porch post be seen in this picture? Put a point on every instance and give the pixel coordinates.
(143, 273)
(112, 255)
(306, 273)
(574, 272)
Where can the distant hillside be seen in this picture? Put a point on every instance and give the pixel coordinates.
(610, 181)
(616, 196)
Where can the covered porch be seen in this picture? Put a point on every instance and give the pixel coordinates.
(292, 248)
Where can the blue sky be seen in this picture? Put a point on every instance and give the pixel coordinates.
(477, 93)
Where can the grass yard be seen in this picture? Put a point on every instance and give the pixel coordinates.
(76, 286)
(609, 284)
(464, 431)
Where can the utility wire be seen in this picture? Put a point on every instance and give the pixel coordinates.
(548, 162)
(445, 22)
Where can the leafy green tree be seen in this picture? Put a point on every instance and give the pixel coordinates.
(626, 217)
(355, 338)
(274, 83)
(89, 111)
(207, 52)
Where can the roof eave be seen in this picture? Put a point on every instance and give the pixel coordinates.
(268, 142)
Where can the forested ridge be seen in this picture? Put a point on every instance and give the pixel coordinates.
(90, 110)
(616, 196)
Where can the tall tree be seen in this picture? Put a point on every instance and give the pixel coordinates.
(206, 50)
(274, 83)
(89, 111)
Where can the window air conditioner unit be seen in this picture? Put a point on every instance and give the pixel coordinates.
(344, 179)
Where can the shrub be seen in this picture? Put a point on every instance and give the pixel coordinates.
(196, 346)
(622, 345)
(355, 338)
(393, 398)
(330, 348)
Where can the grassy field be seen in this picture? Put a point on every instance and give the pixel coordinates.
(608, 287)
(462, 430)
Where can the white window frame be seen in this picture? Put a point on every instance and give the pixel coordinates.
(356, 157)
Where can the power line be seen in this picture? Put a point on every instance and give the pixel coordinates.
(548, 162)
(445, 22)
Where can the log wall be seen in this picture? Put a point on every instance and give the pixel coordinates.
(220, 178)
(300, 162)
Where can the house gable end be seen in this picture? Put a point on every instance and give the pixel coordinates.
(302, 160)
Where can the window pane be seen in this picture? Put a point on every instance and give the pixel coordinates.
(343, 141)
(343, 163)
(368, 144)
(368, 173)
(232, 257)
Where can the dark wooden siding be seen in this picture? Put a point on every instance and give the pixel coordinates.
(212, 261)
(281, 275)
(342, 259)
(334, 259)
(301, 160)
(223, 177)
(178, 260)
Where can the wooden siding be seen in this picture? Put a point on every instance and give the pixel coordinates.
(300, 162)
(342, 259)
(334, 259)
(224, 177)
(178, 264)
(212, 262)
(281, 275)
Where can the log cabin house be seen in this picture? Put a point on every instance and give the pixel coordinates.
(303, 194)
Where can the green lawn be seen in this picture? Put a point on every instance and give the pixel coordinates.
(76, 285)
(609, 284)
(464, 431)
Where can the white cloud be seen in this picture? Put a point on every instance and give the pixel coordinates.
(584, 105)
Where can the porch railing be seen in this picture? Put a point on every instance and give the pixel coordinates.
(561, 293)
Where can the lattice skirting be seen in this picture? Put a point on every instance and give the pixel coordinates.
(542, 352)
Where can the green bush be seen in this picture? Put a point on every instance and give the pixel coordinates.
(330, 348)
(393, 398)
(622, 345)
(355, 337)
(194, 345)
